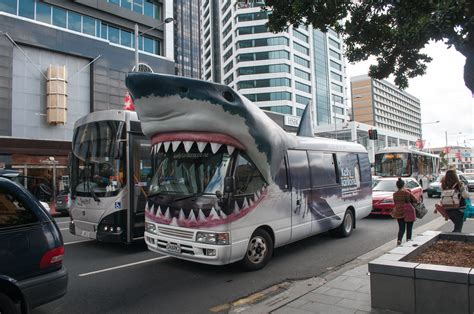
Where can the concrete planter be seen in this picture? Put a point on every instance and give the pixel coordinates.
(421, 288)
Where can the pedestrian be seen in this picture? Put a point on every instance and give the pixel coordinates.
(453, 195)
(403, 210)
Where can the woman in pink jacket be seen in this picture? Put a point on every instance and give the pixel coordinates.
(404, 213)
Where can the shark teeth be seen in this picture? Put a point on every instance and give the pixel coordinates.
(201, 146)
(158, 212)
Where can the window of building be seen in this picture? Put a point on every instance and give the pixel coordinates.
(299, 112)
(145, 7)
(269, 96)
(26, 8)
(301, 61)
(338, 110)
(336, 76)
(257, 29)
(334, 54)
(8, 6)
(274, 68)
(303, 87)
(59, 17)
(300, 48)
(229, 79)
(74, 21)
(264, 83)
(88, 26)
(266, 55)
(335, 65)
(334, 43)
(252, 16)
(125, 38)
(302, 74)
(43, 12)
(300, 35)
(275, 41)
(228, 67)
(279, 109)
(302, 100)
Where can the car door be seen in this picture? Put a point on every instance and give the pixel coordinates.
(22, 238)
(415, 189)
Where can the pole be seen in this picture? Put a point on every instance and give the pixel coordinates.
(136, 47)
(446, 134)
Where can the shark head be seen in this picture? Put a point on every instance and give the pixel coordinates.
(177, 110)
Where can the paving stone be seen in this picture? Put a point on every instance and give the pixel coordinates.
(325, 308)
(364, 289)
(347, 294)
(322, 289)
(321, 298)
(297, 303)
(348, 283)
(291, 310)
(358, 271)
(355, 304)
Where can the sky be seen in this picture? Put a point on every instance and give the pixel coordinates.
(443, 96)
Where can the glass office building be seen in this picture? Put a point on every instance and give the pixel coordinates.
(279, 72)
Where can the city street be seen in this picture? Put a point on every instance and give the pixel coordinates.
(106, 278)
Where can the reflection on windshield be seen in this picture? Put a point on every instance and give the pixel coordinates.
(189, 173)
(392, 164)
(97, 167)
(385, 185)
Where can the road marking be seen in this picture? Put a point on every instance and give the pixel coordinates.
(80, 241)
(63, 229)
(122, 266)
(62, 222)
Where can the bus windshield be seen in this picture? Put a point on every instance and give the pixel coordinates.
(97, 168)
(393, 164)
(192, 173)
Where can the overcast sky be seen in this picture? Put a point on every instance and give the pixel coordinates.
(443, 97)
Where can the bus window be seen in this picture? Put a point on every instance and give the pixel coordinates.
(299, 172)
(322, 168)
(248, 179)
(281, 177)
(364, 167)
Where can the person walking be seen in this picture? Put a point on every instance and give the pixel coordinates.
(404, 211)
(453, 197)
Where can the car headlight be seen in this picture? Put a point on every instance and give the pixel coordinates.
(150, 227)
(213, 237)
(387, 201)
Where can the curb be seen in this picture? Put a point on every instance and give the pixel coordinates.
(299, 288)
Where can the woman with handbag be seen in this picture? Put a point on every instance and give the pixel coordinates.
(453, 195)
(404, 211)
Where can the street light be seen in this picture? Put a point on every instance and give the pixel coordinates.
(446, 135)
(138, 34)
(432, 122)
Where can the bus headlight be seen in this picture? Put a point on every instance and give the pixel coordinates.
(150, 227)
(213, 237)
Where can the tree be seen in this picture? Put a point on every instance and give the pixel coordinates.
(394, 31)
(443, 160)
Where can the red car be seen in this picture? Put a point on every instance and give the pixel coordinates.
(382, 194)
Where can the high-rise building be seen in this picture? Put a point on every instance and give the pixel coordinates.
(279, 72)
(187, 38)
(92, 43)
(382, 104)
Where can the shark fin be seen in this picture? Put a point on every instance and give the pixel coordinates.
(306, 124)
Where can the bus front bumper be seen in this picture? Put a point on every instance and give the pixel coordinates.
(189, 250)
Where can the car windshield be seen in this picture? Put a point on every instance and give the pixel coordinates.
(385, 186)
(189, 173)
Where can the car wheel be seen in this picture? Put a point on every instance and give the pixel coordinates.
(345, 229)
(259, 250)
(6, 305)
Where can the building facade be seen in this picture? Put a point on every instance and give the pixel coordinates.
(382, 104)
(187, 37)
(278, 72)
(461, 157)
(93, 42)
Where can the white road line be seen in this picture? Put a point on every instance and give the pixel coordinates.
(63, 229)
(122, 266)
(80, 241)
(62, 222)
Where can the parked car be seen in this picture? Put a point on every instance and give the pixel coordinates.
(434, 188)
(470, 180)
(31, 252)
(63, 202)
(382, 194)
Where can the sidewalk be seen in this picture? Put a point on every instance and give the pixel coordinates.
(345, 290)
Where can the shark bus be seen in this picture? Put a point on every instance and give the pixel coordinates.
(231, 185)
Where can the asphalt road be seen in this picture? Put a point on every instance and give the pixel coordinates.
(115, 278)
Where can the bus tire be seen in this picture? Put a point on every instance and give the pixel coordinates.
(7, 306)
(345, 229)
(259, 250)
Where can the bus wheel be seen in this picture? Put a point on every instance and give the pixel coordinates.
(259, 250)
(345, 229)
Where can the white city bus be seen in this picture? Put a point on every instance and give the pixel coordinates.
(407, 162)
(110, 169)
(230, 185)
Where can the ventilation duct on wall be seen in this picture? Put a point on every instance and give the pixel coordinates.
(56, 94)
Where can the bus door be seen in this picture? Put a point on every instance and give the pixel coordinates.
(139, 178)
(300, 194)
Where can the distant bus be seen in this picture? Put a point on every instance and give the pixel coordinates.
(230, 185)
(407, 162)
(109, 173)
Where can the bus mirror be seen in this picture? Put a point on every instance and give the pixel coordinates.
(228, 184)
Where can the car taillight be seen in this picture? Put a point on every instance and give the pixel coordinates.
(52, 257)
(67, 198)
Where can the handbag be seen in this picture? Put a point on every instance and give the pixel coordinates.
(469, 211)
(420, 210)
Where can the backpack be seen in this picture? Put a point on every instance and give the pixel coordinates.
(451, 198)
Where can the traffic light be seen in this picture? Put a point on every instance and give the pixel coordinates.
(373, 134)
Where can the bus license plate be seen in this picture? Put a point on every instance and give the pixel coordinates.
(86, 234)
(172, 247)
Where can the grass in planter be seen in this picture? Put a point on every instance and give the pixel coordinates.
(448, 253)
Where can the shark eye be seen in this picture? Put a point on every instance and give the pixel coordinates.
(228, 96)
(183, 90)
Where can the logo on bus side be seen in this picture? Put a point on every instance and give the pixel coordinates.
(118, 205)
